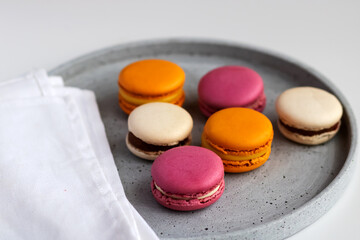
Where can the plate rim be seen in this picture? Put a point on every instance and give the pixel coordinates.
(343, 176)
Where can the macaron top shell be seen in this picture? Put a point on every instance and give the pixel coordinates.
(160, 123)
(152, 77)
(230, 86)
(238, 129)
(187, 170)
(308, 108)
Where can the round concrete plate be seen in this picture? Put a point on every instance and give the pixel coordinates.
(293, 189)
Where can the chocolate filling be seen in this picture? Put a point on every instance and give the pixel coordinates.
(140, 144)
(309, 132)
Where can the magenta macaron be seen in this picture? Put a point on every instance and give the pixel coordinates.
(231, 86)
(187, 178)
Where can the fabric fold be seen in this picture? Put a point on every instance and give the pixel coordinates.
(58, 179)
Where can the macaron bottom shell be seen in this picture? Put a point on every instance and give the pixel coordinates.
(307, 140)
(187, 204)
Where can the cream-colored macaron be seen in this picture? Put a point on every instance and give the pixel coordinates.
(156, 127)
(308, 115)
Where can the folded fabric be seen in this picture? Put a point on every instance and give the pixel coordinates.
(58, 179)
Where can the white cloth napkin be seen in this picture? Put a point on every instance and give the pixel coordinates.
(58, 179)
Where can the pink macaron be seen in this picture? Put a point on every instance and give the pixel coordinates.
(231, 86)
(187, 178)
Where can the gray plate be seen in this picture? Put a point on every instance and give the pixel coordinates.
(294, 188)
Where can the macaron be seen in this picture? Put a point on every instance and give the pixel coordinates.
(150, 80)
(157, 127)
(308, 115)
(242, 138)
(231, 86)
(187, 178)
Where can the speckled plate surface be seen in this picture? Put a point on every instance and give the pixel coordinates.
(294, 188)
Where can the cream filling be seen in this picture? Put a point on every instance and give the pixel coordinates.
(188, 198)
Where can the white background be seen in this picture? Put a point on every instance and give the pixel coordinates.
(322, 34)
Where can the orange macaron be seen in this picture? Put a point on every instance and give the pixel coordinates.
(150, 80)
(242, 138)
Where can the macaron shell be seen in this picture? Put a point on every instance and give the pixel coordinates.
(308, 140)
(186, 205)
(152, 77)
(308, 108)
(160, 123)
(187, 170)
(238, 129)
(230, 86)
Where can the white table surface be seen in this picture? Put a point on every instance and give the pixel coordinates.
(323, 34)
